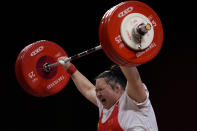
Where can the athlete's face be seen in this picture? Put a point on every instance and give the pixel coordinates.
(106, 95)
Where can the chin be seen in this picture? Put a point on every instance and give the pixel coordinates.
(106, 107)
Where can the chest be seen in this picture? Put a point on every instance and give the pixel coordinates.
(109, 121)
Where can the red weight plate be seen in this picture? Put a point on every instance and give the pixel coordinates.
(19, 76)
(129, 56)
(114, 55)
(102, 34)
(103, 39)
(31, 75)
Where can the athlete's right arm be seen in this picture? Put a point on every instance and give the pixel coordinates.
(85, 87)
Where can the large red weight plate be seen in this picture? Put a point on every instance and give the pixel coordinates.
(113, 44)
(19, 76)
(30, 73)
(103, 39)
(102, 33)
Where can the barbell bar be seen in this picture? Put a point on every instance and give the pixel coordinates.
(47, 66)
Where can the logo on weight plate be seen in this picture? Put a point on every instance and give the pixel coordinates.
(126, 11)
(36, 51)
(55, 82)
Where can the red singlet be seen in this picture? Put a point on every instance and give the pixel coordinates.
(112, 122)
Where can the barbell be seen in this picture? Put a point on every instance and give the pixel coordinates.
(130, 34)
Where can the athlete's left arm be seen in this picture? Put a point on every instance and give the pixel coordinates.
(134, 88)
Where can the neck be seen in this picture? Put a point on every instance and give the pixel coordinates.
(117, 97)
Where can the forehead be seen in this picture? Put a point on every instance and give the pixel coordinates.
(100, 82)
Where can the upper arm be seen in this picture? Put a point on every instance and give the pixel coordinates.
(134, 88)
(85, 87)
(91, 96)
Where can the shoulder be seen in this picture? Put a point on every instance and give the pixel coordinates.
(133, 115)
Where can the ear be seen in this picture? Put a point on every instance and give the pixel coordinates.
(118, 88)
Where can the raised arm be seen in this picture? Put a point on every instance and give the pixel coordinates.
(85, 87)
(134, 88)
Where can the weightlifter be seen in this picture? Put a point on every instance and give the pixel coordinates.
(121, 96)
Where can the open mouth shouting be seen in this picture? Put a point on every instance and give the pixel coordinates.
(103, 101)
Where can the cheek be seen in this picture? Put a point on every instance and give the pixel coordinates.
(108, 93)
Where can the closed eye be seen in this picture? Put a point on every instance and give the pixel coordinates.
(99, 89)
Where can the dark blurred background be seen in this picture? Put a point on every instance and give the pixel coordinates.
(170, 77)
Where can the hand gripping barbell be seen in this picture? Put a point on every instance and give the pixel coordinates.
(130, 34)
